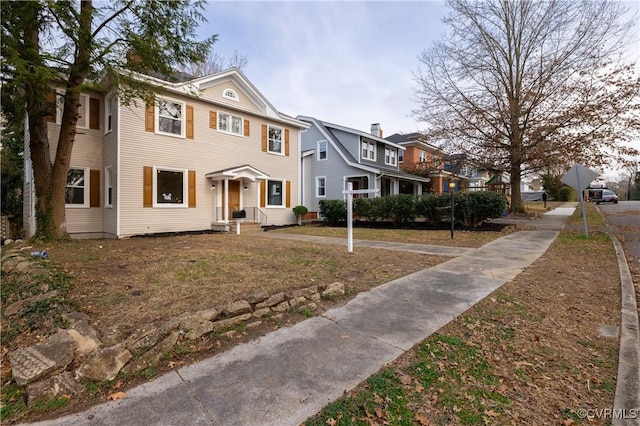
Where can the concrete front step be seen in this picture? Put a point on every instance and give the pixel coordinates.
(245, 227)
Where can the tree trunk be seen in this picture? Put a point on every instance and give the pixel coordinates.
(514, 181)
(75, 80)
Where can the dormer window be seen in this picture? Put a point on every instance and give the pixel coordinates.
(230, 94)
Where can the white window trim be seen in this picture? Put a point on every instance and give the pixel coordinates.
(269, 127)
(84, 102)
(284, 194)
(183, 120)
(59, 105)
(108, 114)
(233, 95)
(226, 132)
(108, 183)
(326, 144)
(371, 148)
(185, 188)
(87, 188)
(318, 187)
(391, 154)
(422, 156)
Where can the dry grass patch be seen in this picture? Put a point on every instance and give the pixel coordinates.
(441, 237)
(530, 353)
(138, 280)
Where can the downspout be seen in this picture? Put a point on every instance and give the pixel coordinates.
(119, 170)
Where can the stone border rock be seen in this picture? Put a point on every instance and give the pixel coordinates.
(57, 366)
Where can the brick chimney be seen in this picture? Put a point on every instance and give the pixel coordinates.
(376, 130)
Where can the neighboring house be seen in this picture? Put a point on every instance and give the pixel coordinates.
(334, 155)
(428, 160)
(208, 147)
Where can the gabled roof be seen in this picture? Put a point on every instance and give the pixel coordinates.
(413, 139)
(327, 129)
(195, 86)
(245, 171)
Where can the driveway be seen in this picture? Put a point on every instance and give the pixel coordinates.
(624, 219)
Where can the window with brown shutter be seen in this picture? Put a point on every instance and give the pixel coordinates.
(94, 188)
(192, 188)
(264, 138)
(189, 121)
(150, 118)
(213, 117)
(246, 127)
(147, 186)
(286, 142)
(94, 113)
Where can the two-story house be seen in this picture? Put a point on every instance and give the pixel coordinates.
(422, 158)
(207, 148)
(334, 155)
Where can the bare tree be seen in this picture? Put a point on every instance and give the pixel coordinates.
(216, 63)
(531, 85)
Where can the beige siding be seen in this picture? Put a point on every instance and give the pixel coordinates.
(214, 94)
(209, 151)
(87, 152)
(111, 160)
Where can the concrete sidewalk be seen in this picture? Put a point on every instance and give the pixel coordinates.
(290, 374)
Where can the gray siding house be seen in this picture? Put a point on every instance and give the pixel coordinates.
(334, 155)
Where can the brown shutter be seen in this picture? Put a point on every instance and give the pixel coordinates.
(189, 121)
(150, 119)
(263, 193)
(246, 127)
(286, 142)
(94, 113)
(288, 186)
(264, 138)
(147, 184)
(213, 119)
(192, 188)
(94, 188)
(52, 107)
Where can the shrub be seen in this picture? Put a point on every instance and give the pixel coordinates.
(432, 208)
(381, 208)
(403, 209)
(333, 211)
(566, 193)
(362, 208)
(300, 211)
(473, 208)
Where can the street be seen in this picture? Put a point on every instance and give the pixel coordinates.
(624, 219)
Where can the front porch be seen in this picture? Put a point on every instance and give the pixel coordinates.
(237, 196)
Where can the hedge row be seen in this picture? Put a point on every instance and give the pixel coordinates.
(471, 209)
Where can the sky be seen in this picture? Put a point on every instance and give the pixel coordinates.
(347, 62)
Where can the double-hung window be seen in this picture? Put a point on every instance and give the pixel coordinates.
(108, 115)
(390, 156)
(275, 193)
(321, 186)
(423, 156)
(322, 150)
(108, 187)
(170, 187)
(368, 150)
(275, 140)
(171, 117)
(77, 192)
(229, 123)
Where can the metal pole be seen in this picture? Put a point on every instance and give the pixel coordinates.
(584, 216)
(452, 211)
(349, 217)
